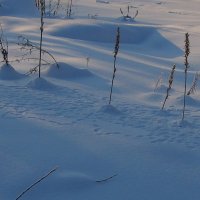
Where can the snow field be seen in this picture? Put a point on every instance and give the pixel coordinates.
(63, 119)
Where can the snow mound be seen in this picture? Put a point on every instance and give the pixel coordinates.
(190, 101)
(152, 97)
(67, 182)
(18, 7)
(106, 32)
(41, 84)
(147, 37)
(162, 89)
(157, 96)
(110, 110)
(74, 180)
(66, 71)
(7, 72)
(63, 183)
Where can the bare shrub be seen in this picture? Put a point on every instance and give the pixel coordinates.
(30, 53)
(127, 16)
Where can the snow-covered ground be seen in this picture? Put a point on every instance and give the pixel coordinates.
(63, 118)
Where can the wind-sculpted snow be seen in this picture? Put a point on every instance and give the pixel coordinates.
(66, 71)
(41, 84)
(65, 107)
(105, 33)
(18, 8)
(141, 35)
(63, 119)
(7, 72)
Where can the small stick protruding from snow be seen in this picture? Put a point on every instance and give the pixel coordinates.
(38, 181)
(106, 179)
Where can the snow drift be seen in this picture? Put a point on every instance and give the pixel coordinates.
(133, 34)
(66, 71)
(18, 7)
(7, 72)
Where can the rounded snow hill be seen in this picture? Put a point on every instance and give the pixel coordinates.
(66, 71)
(110, 109)
(41, 84)
(137, 34)
(104, 32)
(7, 72)
(190, 101)
(18, 7)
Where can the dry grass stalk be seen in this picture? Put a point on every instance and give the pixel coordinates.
(115, 58)
(57, 7)
(171, 78)
(87, 61)
(38, 181)
(69, 9)
(106, 179)
(50, 7)
(53, 8)
(40, 4)
(158, 82)
(192, 90)
(3, 46)
(186, 63)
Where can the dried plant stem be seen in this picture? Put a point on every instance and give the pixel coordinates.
(127, 16)
(158, 82)
(171, 78)
(70, 9)
(50, 9)
(57, 7)
(113, 77)
(186, 63)
(106, 179)
(30, 47)
(192, 90)
(42, 11)
(34, 184)
(115, 58)
(40, 4)
(40, 59)
(4, 46)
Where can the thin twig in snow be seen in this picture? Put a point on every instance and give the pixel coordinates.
(38, 181)
(106, 179)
